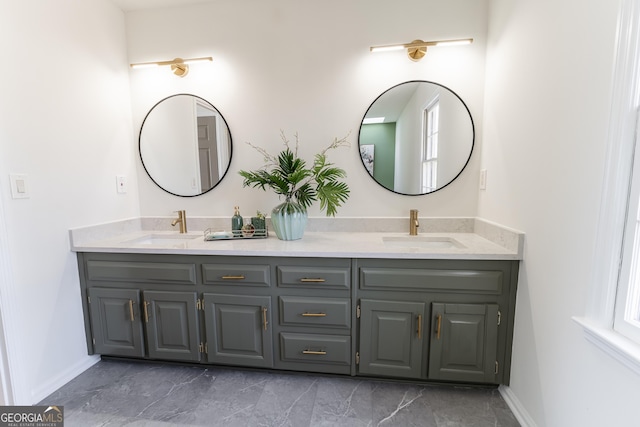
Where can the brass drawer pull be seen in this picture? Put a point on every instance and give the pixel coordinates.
(133, 318)
(317, 353)
(438, 325)
(313, 314)
(419, 326)
(264, 318)
(146, 312)
(239, 277)
(312, 280)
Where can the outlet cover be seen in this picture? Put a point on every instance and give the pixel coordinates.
(121, 183)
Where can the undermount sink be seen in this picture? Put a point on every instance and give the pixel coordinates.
(162, 239)
(422, 242)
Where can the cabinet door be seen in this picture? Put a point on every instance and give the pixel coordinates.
(115, 322)
(171, 322)
(463, 342)
(238, 329)
(391, 338)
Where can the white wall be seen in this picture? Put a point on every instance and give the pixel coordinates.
(305, 67)
(548, 94)
(408, 170)
(170, 148)
(65, 120)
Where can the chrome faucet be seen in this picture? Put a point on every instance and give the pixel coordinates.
(413, 222)
(182, 220)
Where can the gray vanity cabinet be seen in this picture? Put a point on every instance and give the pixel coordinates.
(137, 307)
(238, 329)
(464, 342)
(314, 315)
(115, 320)
(445, 320)
(237, 310)
(171, 323)
(441, 320)
(169, 319)
(391, 336)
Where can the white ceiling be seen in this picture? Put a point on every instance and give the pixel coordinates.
(392, 102)
(127, 5)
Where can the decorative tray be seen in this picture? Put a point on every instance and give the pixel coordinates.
(248, 232)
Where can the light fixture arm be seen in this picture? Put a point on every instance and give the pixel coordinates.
(417, 49)
(179, 66)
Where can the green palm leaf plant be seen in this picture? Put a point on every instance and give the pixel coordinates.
(288, 175)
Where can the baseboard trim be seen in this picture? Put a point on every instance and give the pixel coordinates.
(516, 407)
(61, 379)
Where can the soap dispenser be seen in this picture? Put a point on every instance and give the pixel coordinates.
(236, 222)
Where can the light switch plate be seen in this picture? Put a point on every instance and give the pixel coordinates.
(19, 185)
(483, 179)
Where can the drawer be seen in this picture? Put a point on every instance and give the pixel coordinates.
(313, 277)
(312, 311)
(145, 272)
(476, 281)
(315, 348)
(236, 275)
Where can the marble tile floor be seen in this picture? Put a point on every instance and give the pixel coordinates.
(143, 394)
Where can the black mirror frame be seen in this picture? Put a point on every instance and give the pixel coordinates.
(140, 145)
(473, 137)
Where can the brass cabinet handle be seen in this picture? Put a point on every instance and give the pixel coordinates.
(146, 312)
(131, 310)
(419, 326)
(239, 277)
(264, 318)
(312, 280)
(313, 314)
(438, 325)
(318, 353)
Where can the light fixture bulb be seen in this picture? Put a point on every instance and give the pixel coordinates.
(454, 42)
(387, 48)
(197, 60)
(145, 65)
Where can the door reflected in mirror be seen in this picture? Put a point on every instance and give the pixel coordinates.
(185, 145)
(416, 138)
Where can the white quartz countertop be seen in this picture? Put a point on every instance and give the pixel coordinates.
(484, 241)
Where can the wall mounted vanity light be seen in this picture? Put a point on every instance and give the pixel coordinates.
(417, 49)
(179, 66)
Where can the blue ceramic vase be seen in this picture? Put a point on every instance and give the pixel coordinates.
(289, 220)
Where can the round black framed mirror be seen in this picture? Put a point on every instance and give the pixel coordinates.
(185, 145)
(416, 137)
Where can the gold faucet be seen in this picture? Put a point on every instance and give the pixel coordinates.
(182, 220)
(413, 222)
